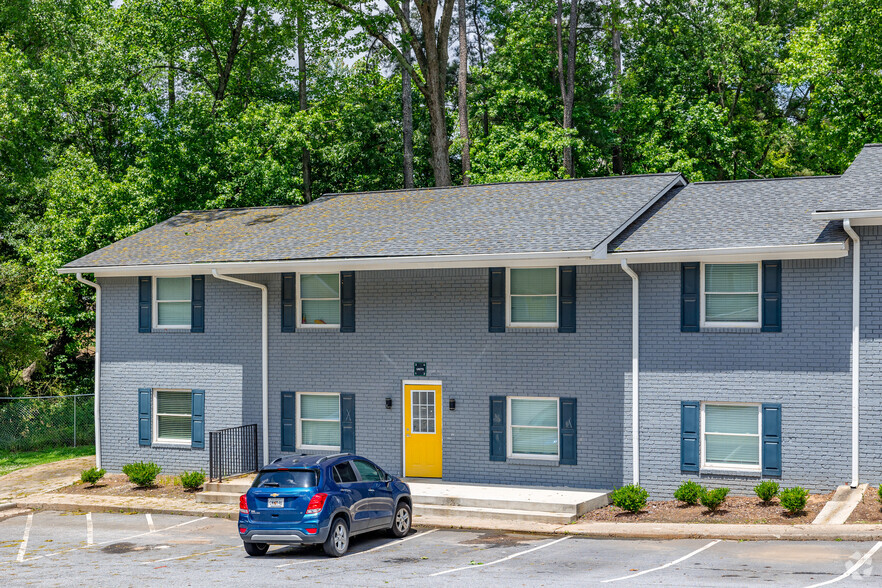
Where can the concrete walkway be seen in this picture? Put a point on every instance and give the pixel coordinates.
(42, 478)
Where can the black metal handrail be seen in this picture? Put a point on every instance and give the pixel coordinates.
(232, 451)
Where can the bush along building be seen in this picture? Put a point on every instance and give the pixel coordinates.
(586, 333)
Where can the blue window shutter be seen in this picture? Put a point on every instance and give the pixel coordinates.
(145, 303)
(772, 440)
(144, 402)
(289, 303)
(690, 427)
(197, 429)
(497, 428)
(289, 420)
(690, 306)
(771, 296)
(568, 431)
(197, 305)
(347, 302)
(566, 300)
(347, 423)
(497, 300)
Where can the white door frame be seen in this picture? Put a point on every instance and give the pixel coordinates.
(404, 385)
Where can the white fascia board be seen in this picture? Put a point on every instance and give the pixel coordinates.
(859, 218)
(808, 251)
(600, 252)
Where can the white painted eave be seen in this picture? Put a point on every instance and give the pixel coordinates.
(721, 254)
(858, 217)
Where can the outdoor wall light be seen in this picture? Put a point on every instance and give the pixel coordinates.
(388, 403)
(452, 403)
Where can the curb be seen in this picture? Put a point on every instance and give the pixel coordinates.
(74, 507)
(7, 506)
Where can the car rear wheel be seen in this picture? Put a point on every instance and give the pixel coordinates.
(256, 549)
(401, 521)
(338, 538)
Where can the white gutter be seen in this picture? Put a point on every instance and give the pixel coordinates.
(97, 410)
(264, 352)
(849, 214)
(635, 370)
(855, 350)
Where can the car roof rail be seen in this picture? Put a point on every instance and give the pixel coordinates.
(332, 456)
(277, 460)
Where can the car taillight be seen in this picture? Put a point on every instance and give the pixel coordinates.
(316, 504)
(243, 505)
(243, 529)
(312, 531)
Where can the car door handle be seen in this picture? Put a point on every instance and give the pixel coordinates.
(370, 489)
(346, 490)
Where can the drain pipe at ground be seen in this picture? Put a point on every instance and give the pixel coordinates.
(264, 352)
(97, 288)
(855, 351)
(635, 370)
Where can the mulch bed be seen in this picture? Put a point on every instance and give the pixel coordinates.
(736, 509)
(119, 485)
(868, 510)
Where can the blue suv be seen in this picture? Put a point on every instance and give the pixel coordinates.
(321, 499)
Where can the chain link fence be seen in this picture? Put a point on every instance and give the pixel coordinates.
(40, 422)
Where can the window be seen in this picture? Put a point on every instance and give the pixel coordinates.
(318, 421)
(422, 411)
(289, 479)
(173, 419)
(730, 436)
(343, 473)
(731, 295)
(532, 297)
(533, 427)
(319, 300)
(172, 302)
(367, 472)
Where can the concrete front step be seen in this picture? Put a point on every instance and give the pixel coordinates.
(497, 514)
(209, 497)
(518, 498)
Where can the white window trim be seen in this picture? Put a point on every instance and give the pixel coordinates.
(508, 427)
(155, 304)
(299, 309)
(155, 420)
(434, 405)
(510, 323)
(734, 324)
(299, 439)
(706, 465)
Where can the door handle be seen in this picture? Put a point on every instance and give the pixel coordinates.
(370, 489)
(346, 490)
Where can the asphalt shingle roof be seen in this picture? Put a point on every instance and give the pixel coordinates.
(861, 185)
(742, 213)
(570, 215)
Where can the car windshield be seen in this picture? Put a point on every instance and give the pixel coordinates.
(286, 479)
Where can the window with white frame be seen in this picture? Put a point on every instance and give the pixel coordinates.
(172, 304)
(318, 421)
(319, 300)
(532, 297)
(533, 427)
(172, 414)
(731, 294)
(730, 436)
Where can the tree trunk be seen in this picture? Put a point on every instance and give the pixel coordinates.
(301, 90)
(407, 108)
(485, 116)
(224, 74)
(618, 163)
(171, 85)
(569, 90)
(463, 104)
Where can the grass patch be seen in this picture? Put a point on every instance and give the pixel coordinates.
(11, 461)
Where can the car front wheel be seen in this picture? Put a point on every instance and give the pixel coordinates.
(401, 520)
(256, 549)
(338, 539)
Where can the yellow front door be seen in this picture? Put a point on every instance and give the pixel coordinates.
(422, 430)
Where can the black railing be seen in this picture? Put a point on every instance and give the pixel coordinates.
(232, 451)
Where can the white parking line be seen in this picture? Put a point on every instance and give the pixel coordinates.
(144, 563)
(90, 537)
(667, 565)
(150, 522)
(24, 542)
(378, 547)
(512, 556)
(853, 568)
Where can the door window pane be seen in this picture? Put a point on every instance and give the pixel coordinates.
(422, 411)
(367, 472)
(343, 473)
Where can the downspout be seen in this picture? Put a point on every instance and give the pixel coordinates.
(264, 352)
(83, 280)
(855, 350)
(635, 370)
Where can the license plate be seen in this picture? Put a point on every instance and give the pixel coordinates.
(275, 503)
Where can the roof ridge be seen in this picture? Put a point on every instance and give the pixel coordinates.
(769, 179)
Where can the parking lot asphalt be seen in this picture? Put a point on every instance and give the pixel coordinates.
(49, 548)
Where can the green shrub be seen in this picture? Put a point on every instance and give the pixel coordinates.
(766, 490)
(879, 492)
(92, 475)
(631, 498)
(192, 480)
(794, 499)
(713, 499)
(688, 492)
(142, 473)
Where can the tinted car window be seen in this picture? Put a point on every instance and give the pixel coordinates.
(367, 472)
(343, 473)
(286, 479)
